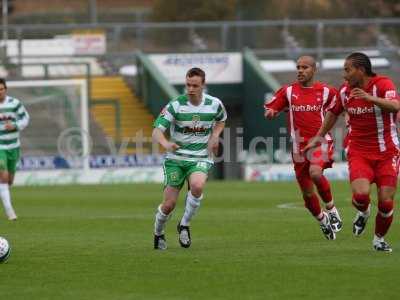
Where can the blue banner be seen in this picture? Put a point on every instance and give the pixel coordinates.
(95, 161)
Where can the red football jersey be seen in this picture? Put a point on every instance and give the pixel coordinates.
(372, 130)
(306, 106)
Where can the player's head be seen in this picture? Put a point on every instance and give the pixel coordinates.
(306, 68)
(357, 67)
(3, 88)
(195, 80)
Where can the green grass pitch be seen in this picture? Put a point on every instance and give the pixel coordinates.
(250, 241)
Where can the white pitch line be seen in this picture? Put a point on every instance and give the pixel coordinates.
(111, 217)
(291, 205)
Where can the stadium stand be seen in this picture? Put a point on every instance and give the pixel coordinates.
(118, 111)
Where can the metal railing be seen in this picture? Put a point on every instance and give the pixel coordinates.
(274, 37)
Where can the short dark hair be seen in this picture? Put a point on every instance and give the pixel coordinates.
(3, 82)
(361, 60)
(196, 72)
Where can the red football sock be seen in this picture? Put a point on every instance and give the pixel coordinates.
(312, 204)
(324, 190)
(361, 201)
(384, 217)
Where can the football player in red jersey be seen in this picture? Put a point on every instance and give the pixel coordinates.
(306, 101)
(372, 103)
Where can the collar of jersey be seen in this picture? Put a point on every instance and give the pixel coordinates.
(203, 99)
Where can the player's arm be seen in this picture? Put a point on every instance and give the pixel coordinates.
(278, 103)
(161, 124)
(218, 128)
(389, 103)
(213, 142)
(333, 111)
(159, 137)
(319, 138)
(21, 120)
(329, 122)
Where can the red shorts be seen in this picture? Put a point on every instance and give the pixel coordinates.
(321, 156)
(383, 170)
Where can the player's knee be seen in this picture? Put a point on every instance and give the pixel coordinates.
(315, 175)
(4, 177)
(197, 193)
(307, 194)
(168, 207)
(385, 207)
(196, 189)
(360, 190)
(385, 195)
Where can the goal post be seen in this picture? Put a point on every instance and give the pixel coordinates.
(59, 119)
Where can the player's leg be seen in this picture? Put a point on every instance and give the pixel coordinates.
(324, 191)
(194, 196)
(384, 217)
(6, 196)
(361, 201)
(6, 166)
(361, 175)
(197, 177)
(386, 173)
(173, 181)
(11, 177)
(311, 200)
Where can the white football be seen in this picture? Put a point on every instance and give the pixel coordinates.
(5, 249)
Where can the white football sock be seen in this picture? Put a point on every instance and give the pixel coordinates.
(377, 239)
(192, 205)
(6, 199)
(324, 220)
(160, 220)
(366, 213)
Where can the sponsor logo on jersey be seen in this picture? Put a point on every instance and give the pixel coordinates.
(306, 108)
(195, 129)
(360, 110)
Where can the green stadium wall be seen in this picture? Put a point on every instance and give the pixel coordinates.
(154, 89)
(257, 83)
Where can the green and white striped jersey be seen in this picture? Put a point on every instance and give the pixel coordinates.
(12, 110)
(191, 126)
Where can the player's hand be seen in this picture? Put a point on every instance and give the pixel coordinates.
(171, 147)
(270, 113)
(9, 126)
(360, 94)
(213, 145)
(313, 143)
